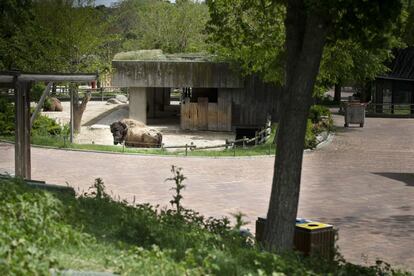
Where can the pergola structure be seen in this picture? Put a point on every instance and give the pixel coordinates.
(22, 83)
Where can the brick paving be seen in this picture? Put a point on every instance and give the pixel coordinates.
(362, 182)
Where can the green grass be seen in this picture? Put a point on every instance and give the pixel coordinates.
(40, 231)
(267, 148)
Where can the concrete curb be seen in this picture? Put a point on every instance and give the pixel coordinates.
(325, 138)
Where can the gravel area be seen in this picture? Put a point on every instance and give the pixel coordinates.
(99, 132)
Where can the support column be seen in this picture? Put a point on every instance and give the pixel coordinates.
(138, 104)
(22, 132)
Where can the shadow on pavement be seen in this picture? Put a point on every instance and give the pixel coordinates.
(406, 178)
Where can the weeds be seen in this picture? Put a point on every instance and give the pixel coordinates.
(40, 231)
(178, 179)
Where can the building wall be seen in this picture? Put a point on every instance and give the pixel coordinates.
(253, 104)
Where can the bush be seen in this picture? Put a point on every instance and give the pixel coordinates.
(316, 113)
(37, 91)
(40, 230)
(310, 137)
(6, 117)
(319, 120)
(42, 125)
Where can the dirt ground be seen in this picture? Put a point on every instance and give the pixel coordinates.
(99, 115)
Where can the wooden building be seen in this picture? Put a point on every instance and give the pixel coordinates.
(394, 92)
(219, 98)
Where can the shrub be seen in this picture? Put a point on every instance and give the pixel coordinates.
(37, 91)
(316, 113)
(40, 231)
(42, 125)
(6, 117)
(310, 137)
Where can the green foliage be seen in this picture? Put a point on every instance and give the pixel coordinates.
(250, 34)
(319, 120)
(40, 231)
(42, 125)
(47, 105)
(64, 36)
(37, 91)
(29, 227)
(6, 117)
(178, 179)
(172, 27)
(310, 137)
(316, 112)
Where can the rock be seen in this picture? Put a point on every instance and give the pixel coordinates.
(52, 104)
(121, 98)
(98, 126)
(135, 134)
(113, 101)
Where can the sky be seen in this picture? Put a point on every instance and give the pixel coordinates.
(109, 2)
(105, 2)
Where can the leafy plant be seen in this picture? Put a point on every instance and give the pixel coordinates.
(178, 179)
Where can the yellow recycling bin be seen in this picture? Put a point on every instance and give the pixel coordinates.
(315, 239)
(312, 238)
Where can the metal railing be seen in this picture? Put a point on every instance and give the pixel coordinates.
(390, 109)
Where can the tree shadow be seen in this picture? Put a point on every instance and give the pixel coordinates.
(406, 178)
(396, 226)
(351, 128)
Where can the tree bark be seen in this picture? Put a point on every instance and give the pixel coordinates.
(305, 40)
(78, 108)
(337, 94)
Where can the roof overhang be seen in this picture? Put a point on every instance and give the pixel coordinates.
(169, 73)
(393, 78)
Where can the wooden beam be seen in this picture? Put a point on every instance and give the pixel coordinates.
(58, 77)
(41, 102)
(22, 132)
(27, 77)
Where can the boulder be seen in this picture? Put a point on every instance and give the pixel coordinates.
(135, 134)
(121, 98)
(113, 101)
(52, 104)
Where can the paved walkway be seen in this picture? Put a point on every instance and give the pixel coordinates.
(362, 182)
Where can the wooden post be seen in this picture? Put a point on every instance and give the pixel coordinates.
(186, 149)
(256, 138)
(22, 133)
(227, 144)
(72, 125)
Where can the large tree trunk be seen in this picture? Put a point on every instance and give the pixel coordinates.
(305, 40)
(337, 93)
(78, 108)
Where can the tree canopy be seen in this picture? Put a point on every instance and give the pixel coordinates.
(311, 27)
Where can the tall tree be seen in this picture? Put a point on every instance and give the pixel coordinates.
(309, 25)
(172, 27)
(66, 36)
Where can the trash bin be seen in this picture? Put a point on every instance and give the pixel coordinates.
(311, 238)
(315, 239)
(354, 113)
